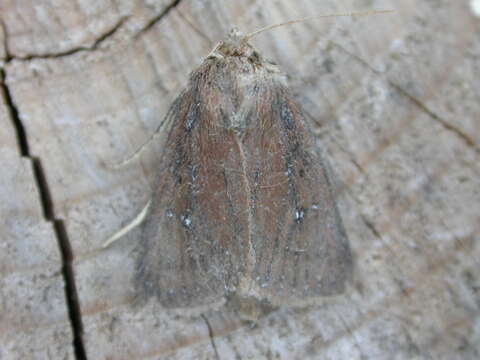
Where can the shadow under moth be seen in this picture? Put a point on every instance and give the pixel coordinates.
(243, 209)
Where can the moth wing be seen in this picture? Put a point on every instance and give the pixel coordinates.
(301, 248)
(186, 256)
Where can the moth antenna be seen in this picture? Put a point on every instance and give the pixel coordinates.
(196, 29)
(139, 150)
(359, 13)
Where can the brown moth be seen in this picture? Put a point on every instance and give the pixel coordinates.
(243, 208)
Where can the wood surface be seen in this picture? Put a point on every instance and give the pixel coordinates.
(393, 99)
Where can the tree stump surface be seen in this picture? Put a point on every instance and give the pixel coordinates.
(393, 99)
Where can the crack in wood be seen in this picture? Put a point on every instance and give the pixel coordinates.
(158, 18)
(417, 102)
(371, 227)
(211, 335)
(95, 45)
(46, 202)
(13, 114)
(8, 57)
(445, 124)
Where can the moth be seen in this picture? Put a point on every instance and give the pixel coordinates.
(243, 209)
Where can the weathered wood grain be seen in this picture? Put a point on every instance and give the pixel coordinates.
(394, 102)
(34, 322)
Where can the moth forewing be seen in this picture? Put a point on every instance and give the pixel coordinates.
(243, 208)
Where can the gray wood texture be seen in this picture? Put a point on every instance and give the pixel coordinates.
(393, 99)
(34, 321)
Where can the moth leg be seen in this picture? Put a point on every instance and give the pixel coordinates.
(131, 225)
(135, 154)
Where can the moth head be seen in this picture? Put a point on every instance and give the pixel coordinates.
(235, 44)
